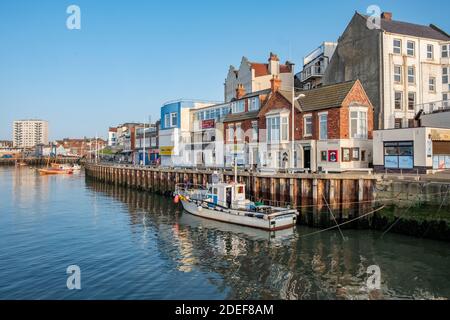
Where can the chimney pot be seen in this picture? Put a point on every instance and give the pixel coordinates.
(386, 16)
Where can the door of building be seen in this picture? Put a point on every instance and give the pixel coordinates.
(307, 157)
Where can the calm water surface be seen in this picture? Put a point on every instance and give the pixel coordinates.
(134, 245)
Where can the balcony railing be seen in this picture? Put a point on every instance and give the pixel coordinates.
(434, 107)
(313, 71)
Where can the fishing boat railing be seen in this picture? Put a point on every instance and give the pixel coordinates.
(193, 191)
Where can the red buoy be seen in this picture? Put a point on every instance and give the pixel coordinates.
(176, 199)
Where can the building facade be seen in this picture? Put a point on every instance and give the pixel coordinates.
(175, 131)
(29, 133)
(112, 137)
(332, 129)
(256, 76)
(401, 65)
(148, 146)
(314, 66)
(412, 150)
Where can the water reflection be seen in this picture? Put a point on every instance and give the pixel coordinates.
(257, 265)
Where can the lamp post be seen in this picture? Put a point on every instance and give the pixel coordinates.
(294, 98)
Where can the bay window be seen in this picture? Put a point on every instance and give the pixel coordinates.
(230, 133)
(239, 135)
(277, 129)
(358, 124)
(445, 72)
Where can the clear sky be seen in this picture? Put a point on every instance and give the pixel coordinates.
(131, 56)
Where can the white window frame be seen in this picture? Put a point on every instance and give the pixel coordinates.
(362, 130)
(273, 126)
(413, 76)
(445, 75)
(401, 100)
(230, 131)
(432, 84)
(399, 48)
(409, 49)
(255, 130)
(239, 132)
(172, 116)
(253, 104)
(323, 135)
(414, 104)
(167, 120)
(284, 128)
(307, 117)
(430, 53)
(445, 48)
(399, 75)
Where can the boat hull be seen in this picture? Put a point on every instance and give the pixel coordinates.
(280, 222)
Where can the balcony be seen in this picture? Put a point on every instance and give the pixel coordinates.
(312, 72)
(434, 107)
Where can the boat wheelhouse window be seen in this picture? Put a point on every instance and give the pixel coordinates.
(214, 190)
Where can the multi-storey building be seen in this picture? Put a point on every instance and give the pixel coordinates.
(314, 66)
(150, 146)
(255, 76)
(207, 135)
(175, 131)
(401, 65)
(112, 137)
(29, 133)
(332, 129)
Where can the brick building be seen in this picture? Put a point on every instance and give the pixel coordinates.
(332, 128)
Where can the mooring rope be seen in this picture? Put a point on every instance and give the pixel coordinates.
(344, 223)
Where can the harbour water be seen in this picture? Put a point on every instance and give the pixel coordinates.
(135, 245)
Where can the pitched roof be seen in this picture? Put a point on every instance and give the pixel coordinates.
(241, 116)
(411, 29)
(326, 97)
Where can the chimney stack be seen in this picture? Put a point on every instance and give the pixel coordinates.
(240, 91)
(386, 16)
(273, 57)
(275, 83)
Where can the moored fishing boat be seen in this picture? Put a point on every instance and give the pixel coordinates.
(47, 171)
(226, 202)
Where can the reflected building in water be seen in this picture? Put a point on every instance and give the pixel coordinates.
(253, 265)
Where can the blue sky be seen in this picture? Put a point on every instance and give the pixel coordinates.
(131, 56)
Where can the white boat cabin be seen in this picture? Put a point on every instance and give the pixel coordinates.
(228, 195)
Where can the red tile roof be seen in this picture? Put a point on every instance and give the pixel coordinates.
(262, 69)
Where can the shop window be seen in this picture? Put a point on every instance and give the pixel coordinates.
(346, 154)
(399, 155)
(355, 154)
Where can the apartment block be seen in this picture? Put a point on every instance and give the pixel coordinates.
(29, 133)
